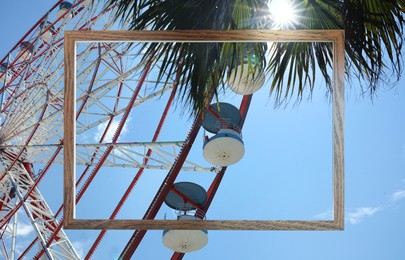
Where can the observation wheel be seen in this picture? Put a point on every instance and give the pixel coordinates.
(128, 152)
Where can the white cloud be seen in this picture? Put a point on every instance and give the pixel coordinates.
(398, 195)
(111, 131)
(357, 215)
(353, 216)
(81, 247)
(24, 229)
(326, 215)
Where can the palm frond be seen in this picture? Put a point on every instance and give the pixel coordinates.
(374, 42)
(202, 65)
(374, 32)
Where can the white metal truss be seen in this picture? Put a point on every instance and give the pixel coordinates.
(8, 230)
(32, 115)
(38, 212)
(124, 155)
(31, 123)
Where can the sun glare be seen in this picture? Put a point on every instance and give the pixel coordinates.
(283, 13)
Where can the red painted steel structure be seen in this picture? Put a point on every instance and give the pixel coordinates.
(138, 175)
(157, 202)
(243, 109)
(138, 235)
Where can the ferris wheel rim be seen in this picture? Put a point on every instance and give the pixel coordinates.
(59, 145)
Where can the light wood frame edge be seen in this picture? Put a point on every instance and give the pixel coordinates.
(334, 36)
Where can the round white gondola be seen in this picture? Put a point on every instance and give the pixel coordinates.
(87, 2)
(26, 50)
(185, 241)
(225, 148)
(222, 110)
(5, 74)
(46, 32)
(192, 191)
(63, 9)
(242, 80)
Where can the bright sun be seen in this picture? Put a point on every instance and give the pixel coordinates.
(283, 13)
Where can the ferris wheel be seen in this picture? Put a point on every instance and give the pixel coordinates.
(126, 153)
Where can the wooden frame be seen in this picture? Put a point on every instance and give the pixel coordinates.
(334, 36)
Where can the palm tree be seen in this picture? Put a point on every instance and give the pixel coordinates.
(373, 48)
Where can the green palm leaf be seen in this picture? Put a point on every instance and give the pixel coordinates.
(374, 38)
(203, 68)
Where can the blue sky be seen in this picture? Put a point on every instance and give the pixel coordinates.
(285, 174)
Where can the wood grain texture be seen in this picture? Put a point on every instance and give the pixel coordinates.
(338, 130)
(206, 36)
(69, 127)
(202, 224)
(334, 36)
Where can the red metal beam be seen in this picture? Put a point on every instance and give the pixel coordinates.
(40, 177)
(116, 134)
(59, 148)
(244, 108)
(137, 176)
(110, 148)
(157, 202)
(17, 157)
(91, 84)
(32, 29)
